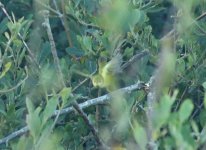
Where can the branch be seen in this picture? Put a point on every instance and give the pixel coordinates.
(88, 103)
(14, 134)
(135, 58)
(151, 98)
(89, 124)
(53, 46)
(65, 23)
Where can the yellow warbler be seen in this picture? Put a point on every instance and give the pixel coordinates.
(107, 73)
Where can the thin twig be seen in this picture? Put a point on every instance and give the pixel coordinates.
(88, 103)
(135, 58)
(66, 25)
(82, 82)
(197, 110)
(63, 21)
(180, 99)
(151, 98)
(53, 46)
(88, 123)
(14, 134)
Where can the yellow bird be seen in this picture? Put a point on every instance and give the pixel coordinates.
(107, 73)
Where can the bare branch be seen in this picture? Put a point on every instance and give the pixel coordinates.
(88, 103)
(53, 46)
(14, 134)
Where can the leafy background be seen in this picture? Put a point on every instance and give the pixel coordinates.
(84, 30)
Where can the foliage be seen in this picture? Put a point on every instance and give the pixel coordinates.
(168, 115)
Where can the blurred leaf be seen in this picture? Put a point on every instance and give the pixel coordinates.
(162, 111)
(185, 110)
(204, 85)
(24, 143)
(195, 129)
(50, 108)
(203, 135)
(140, 135)
(51, 143)
(7, 35)
(29, 105)
(33, 120)
(189, 142)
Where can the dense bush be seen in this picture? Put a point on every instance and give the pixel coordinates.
(50, 52)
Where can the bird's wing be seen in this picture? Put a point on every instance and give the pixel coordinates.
(113, 66)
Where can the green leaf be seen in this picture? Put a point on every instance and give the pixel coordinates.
(24, 143)
(195, 128)
(51, 142)
(140, 135)
(203, 136)
(6, 68)
(135, 17)
(204, 85)
(189, 141)
(33, 120)
(87, 41)
(29, 105)
(162, 111)
(50, 108)
(7, 35)
(75, 51)
(185, 110)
